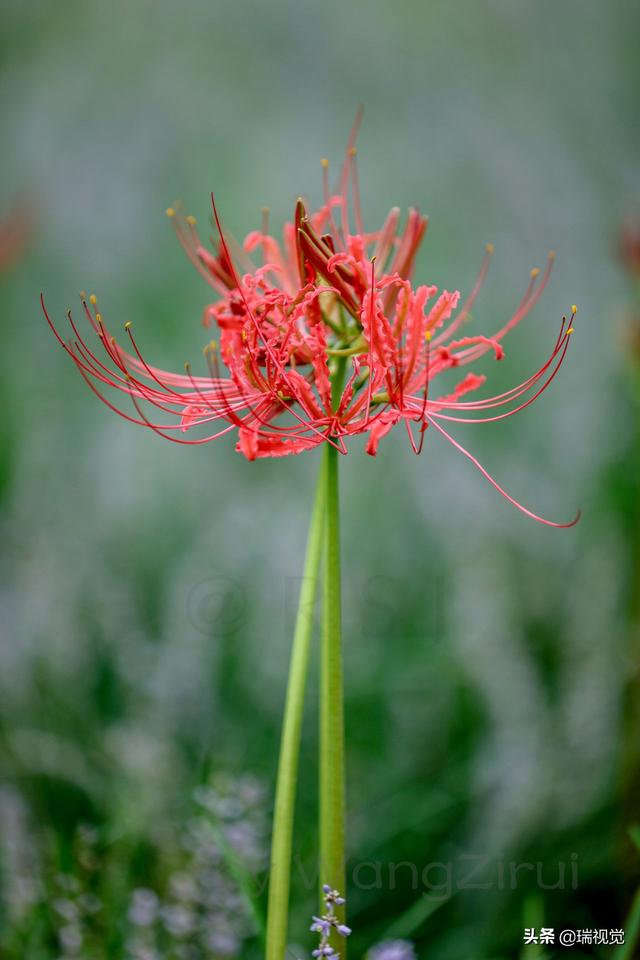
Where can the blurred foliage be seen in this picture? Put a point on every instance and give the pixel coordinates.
(148, 591)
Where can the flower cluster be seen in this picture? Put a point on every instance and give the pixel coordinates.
(195, 910)
(76, 908)
(202, 912)
(321, 337)
(328, 922)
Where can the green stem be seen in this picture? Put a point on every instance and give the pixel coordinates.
(332, 860)
(631, 930)
(281, 844)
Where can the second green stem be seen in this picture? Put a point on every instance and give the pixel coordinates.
(281, 847)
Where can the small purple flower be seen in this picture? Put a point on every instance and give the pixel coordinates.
(321, 925)
(328, 922)
(143, 908)
(392, 950)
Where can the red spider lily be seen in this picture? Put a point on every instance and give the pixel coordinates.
(15, 230)
(629, 246)
(325, 339)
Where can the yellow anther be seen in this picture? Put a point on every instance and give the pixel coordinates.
(324, 163)
(191, 221)
(489, 248)
(551, 255)
(574, 309)
(244, 335)
(211, 346)
(93, 299)
(83, 294)
(127, 325)
(170, 212)
(570, 330)
(353, 151)
(535, 272)
(187, 366)
(427, 335)
(265, 210)
(99, 318)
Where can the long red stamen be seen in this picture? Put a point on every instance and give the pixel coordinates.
(464, 311)
(355, 186)
(501, 490)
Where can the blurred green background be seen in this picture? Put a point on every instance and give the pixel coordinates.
(148, 589)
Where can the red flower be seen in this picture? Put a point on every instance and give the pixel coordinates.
(15, 231)
(629, 246)
(325, 339)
